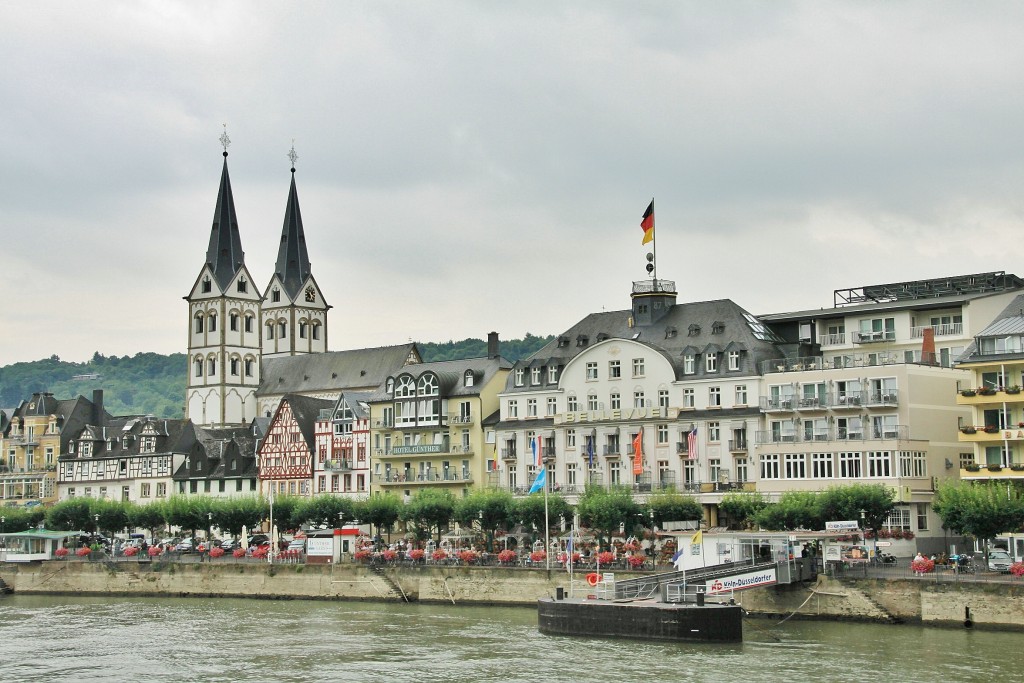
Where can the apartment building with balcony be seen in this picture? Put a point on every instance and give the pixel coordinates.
(32, 438)
(867, 399)
(342, 434)
(427, 425)
(683, 376)
(992, 435)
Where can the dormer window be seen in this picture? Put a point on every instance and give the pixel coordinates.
(71, 447)
(717, 327)
(468, 378)
(243, 286)
(563, 342)
(389, 387)
(534, 376)
(207, 285)
(670, 332)
(582, 340)
(520, 376)
(694, 331)
(275, 295)
(552, 374)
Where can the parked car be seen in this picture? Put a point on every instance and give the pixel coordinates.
(184, 546)
(259, 540)
(999, 561)
(227, 545)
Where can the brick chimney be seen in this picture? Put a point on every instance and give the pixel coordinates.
(928, 347)
(492, 345)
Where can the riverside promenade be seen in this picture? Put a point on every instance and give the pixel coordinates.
(894, 596)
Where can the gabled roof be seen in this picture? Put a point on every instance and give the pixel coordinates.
(333, 371)
(451, 375)
(305, 412)
(742, 331)
(1009, 322)
(225, 255)
(292, 259)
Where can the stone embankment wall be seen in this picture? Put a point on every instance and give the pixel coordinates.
(992, 605)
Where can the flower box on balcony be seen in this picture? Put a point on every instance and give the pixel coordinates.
(995, 468)
(968, 430)
(990, 429)
(986, 391)
(1012, 390)
(972, 468)
(967, 393)
(1017, 467)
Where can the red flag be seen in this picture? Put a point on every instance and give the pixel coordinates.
(647, 224)
(638, 452)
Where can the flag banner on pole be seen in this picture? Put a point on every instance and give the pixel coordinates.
(590, 449)
(695, 543)
(638, 452)
(691, 444)
(647, 224)
(537, 445)
(538, 483)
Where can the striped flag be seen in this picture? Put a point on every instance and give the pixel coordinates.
(647, 224)
(537, 445)
(638, 452)
(691, 443)
(590, 450)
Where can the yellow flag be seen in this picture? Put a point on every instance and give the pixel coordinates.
(697, 538)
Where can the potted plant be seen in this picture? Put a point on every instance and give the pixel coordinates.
(968, 429)
(972, 467)
(1017, 467)
(1017, 569)
(362, 556)
(995, 468)
(238, 552)
(1014, 389)
(417, 555)
(991, 429)
(61, 552)
(922, 565)
(538, 556)
(469, 556)
(635, 561)
(83, 551)
(967, 393)
(216, 552)
(605, 558)
(507, 556)
(154, 550)
(986, 391)
(439, 555)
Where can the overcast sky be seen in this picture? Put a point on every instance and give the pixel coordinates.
(478, 166)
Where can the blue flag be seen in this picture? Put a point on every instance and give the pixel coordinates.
(538, 483)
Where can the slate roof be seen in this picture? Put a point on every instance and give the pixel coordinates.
(450, 374)
(224, 255)
(305, 412)
(333, 371)
(218, 448)
(173, 436)
(1009, 322)
(292, 258)
(684, 328)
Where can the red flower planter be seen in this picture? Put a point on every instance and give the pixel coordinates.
(216, 552)
(239, 552)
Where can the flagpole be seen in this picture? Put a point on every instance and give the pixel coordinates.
(654, 242)
(547, 525)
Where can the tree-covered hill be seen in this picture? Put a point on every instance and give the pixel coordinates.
(154, 384)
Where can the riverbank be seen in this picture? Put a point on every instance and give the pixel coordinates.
(984, 605)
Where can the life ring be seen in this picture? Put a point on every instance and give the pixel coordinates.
(593, 578)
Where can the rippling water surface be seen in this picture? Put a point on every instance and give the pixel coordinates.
(175, 639)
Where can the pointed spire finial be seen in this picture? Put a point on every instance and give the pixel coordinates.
(225, 141)
(292, 156)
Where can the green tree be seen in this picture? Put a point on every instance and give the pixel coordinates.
(608, 510)
(113, 515)
(795, 510)
(870, 504)
(980, 510)
(379, 511)
(188, 513)
(491, 509)
(234, 513)
(149, 517)
(741, 509)
(19, 519)
(671, 506)
(323, 510)
(430, 510)
(74, 514)
(529, 511)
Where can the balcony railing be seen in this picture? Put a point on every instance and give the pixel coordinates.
(888, 397)
(873, 337)
(508, 454)
(945, 329)
(738, 446)
(612, 451)
(337, 465)
(840, 362)
(682, 448)
(775, 403)
(424, 477)
(833, 339)
(460, 419)
(384, 422)
(866, 433)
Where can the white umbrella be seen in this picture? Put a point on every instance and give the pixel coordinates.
(245, 537)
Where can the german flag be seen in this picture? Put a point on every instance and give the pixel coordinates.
(647, 224)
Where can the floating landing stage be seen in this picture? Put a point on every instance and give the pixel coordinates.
(640, 619)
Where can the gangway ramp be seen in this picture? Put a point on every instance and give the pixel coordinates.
(720, 578)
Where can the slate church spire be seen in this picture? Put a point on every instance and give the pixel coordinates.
(225, 255)
(292, 258)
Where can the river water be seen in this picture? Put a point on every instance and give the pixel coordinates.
(45, 638)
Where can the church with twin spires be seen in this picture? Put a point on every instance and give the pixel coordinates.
(234, 327)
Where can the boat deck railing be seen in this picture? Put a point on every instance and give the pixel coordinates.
(648, 587)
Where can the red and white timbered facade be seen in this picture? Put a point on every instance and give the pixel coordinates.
(286, 453)
(342, 436)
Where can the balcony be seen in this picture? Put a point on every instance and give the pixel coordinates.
(812, 403)
(682, 448)
(847, 399)
(508, 454)
(611, 451)
(771, 404)
(833, 339)
(886, 398)
(867, 433)
(395, 478)
(983, 472)
(338, 465)
(944, 330)
(873, 337)
(989, 434)
(973, 397)
(460, 419)
(738, 446)
(384, 422)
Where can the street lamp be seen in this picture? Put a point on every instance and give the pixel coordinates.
(652, 547)
(209, 533)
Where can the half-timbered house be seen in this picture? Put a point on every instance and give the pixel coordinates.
(286, 453)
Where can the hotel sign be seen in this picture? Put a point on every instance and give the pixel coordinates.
(652, 413)
(413, 450)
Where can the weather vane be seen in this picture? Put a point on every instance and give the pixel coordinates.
(225, 141)
(292, 155)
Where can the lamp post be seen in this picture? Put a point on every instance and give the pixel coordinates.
(209, 533)
(863, 533)
(654, 555)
